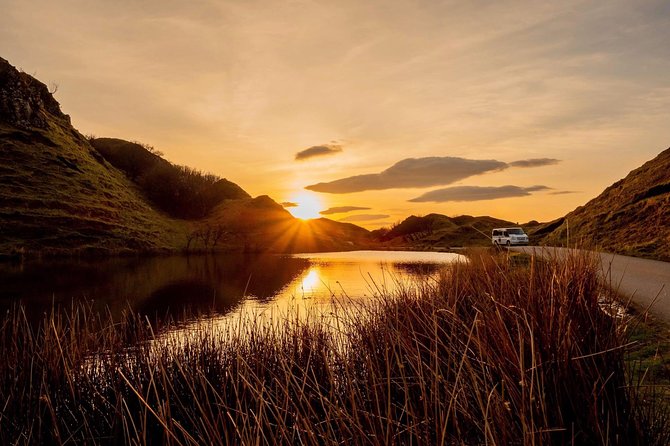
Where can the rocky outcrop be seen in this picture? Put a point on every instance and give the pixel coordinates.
(25, 101)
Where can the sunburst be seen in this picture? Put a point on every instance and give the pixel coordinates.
(308, 206)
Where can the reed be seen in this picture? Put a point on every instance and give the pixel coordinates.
(491, 353)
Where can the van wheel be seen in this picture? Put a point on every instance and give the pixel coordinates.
(508, 243)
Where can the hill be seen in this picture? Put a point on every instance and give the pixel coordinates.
(436, 231)
(630, 217)
(63, 193)
(58, 193)
(180, 191)
(262, 225)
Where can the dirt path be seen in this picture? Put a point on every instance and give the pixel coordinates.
(647, 282)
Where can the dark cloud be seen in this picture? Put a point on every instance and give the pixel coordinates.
(365, 217)
(535, 162)
(325, 149)
(412, 172)
(289, 204)
(342, 210)
(476, 193)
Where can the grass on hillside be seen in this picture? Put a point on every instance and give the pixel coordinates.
(59, 195)
(491, 353)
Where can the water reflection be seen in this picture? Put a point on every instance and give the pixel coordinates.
(224, 285)
(332, 280)
(344, 278)
(156, 287)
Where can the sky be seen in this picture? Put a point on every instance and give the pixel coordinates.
(368, 110)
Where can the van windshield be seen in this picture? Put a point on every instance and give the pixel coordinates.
(515, 231)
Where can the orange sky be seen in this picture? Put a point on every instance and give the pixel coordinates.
(239, 88)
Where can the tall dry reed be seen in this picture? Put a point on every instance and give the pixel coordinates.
(491, 353)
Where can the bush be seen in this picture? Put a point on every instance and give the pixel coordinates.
(180, 191)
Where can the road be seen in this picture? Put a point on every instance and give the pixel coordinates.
(646, 282)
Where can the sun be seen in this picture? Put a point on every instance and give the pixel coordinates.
(308, 206)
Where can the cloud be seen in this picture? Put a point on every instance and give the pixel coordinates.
(342, 210)
(325, 149)
(476, 193)
(412, 172)
(563, 192)
(289, 204)
(364, 217)
(535, 162)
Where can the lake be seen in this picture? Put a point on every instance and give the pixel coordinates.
(223, 285)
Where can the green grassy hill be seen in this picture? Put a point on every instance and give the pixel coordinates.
(630, 217)
(439, 231)
(58, 193)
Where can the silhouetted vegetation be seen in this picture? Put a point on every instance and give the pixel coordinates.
(492, 353)
(180, 191)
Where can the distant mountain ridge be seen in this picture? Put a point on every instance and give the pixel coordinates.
(436, 231)
(630, 217)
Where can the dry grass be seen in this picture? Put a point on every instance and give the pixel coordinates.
(492, 353)
(618, 220)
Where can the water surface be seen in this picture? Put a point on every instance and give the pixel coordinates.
(222, 284)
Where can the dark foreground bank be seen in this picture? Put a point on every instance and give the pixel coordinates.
(494, 352)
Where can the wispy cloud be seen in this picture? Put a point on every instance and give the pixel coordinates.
(314, 151)
(476, 193)
(535, 162)
(364, 217)
(289, 204)
(342, 210)
(564, 192)
(412, 172)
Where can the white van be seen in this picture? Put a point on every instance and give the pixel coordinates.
(509, 236)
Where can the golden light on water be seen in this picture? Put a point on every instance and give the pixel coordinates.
(308, 206)
(310, 280)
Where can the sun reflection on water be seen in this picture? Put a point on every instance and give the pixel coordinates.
(310, 280)
(334, 280)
